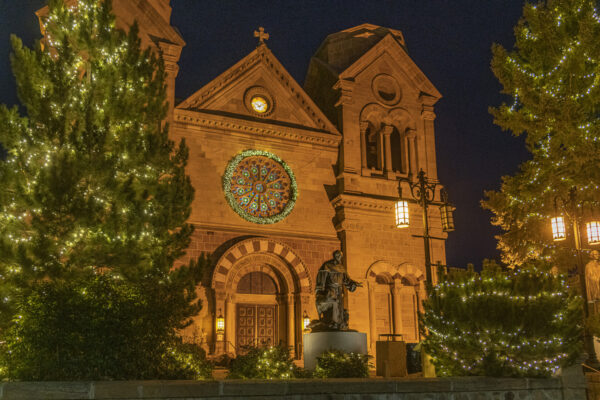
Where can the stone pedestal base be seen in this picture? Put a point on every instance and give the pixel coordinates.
(317, 343)
(391, 359)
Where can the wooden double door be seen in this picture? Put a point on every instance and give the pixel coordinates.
(256, 325)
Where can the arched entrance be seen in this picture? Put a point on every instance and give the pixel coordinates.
(261, 288)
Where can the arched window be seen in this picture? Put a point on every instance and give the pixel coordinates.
(373, 143)
(396, 151)
(383, 306)
(257, 283)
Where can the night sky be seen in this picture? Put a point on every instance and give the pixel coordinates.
(449, 40)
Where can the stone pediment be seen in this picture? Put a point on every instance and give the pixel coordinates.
(390, 49)
(259, 74)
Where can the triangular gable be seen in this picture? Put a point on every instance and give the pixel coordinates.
(261, 68)
(390, 46)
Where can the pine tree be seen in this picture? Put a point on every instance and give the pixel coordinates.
(91, 183)
(524, 322)
(553, 76)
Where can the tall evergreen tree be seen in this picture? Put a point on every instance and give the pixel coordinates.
(91, 183)
(553, 76)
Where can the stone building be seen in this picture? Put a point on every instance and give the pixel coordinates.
(286, 174)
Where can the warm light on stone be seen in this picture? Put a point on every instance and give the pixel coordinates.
(259, 104)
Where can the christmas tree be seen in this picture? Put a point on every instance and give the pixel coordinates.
(91, 182)
(553, 77)
(524, 322)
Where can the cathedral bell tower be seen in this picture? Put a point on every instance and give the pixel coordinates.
(365, 82)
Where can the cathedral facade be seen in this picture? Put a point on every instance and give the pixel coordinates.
(285, 174)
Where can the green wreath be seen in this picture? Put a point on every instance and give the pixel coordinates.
(257, 190)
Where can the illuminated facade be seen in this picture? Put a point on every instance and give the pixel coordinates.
(285, 174)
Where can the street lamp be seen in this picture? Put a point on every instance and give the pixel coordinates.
(423, 191)
(573, 211)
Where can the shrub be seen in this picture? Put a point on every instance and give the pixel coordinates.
(97, 327)
(192, 358)
(264, 363)
(525, 322)
(340, 364)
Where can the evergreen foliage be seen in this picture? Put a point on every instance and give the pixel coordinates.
(264, 363)
(92, 186)
(100, 328)
(553, 77)
(340, 364)
(523, 322)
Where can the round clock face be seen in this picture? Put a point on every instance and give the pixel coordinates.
(260, 187)
(259, 104)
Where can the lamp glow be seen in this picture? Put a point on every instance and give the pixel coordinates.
(558, 229)
(446, 211)
(402, 220)
(305, 321)
(593, 232)
(220, 324)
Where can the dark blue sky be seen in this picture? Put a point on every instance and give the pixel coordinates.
(449, 40)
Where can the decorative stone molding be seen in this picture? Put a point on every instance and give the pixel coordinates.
(363, 203)
(427, 113)
(346, 88)
(277, 255)
(203, 120)
(405, 270)
(264, 56)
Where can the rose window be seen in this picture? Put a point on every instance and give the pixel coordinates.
(260, 187)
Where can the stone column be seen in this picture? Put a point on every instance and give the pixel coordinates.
(291, 324)
(396, 297)
(387, 132)
(364, 125)
(412, 152)
(229, 323)
(429, 162)
(170, 53)
(372, 315)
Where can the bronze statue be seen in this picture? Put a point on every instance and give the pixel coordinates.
(592, 279)
(332, 278)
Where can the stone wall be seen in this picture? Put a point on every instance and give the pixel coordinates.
(467, 388)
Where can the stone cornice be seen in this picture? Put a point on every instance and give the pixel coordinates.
(363, 203)
(200, 119)
(265, 231)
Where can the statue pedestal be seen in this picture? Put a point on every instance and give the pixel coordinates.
(317, 343)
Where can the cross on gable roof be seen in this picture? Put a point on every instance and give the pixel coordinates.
(261, 65)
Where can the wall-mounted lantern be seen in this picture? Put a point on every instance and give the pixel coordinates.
(220, 325)
(559, 231)
(402, 220)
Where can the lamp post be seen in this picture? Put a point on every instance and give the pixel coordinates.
(423, 191)
(573, 210)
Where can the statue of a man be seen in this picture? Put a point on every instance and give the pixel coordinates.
(592, 277)
(332, 278)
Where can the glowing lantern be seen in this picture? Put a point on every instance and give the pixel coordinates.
(220, 327)
(402, 214)
(305, 322)
(558, 228)
(447, 217)
(593, 232)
